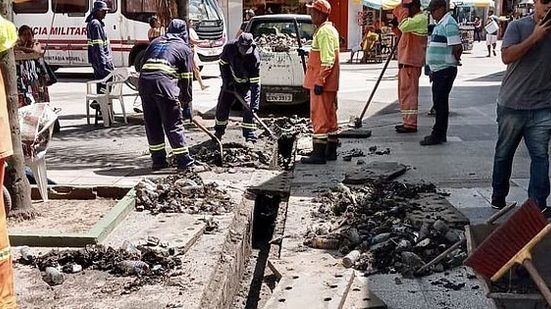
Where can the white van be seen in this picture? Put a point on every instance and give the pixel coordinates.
(59, 25)
(282, 73)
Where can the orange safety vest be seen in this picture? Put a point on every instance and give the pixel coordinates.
(8, 36)
(323, 59)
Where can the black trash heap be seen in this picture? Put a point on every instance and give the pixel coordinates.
(369, 225)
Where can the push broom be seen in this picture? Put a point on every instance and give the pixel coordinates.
(511, 243)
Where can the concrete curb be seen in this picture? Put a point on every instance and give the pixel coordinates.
(95, 235)
(225, 282)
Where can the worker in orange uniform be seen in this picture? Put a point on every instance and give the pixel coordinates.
(412, 30)
(8, 37)
(322, 79)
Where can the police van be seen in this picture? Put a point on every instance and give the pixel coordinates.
(282, 72)
(59, 25)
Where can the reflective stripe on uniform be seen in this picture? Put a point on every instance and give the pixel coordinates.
(238, 79)
(98, 42)
(221, 122)
(254, 80)
(250, 126)
(409, 112)
(157, 147)
(157, 65)
(181, 150)
(4, 254)
(320, 136)
(222, 62)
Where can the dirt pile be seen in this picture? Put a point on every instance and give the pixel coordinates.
(235, 154)
(277, 42)
(358, 153)
(150, 263)
(294, 125)
(184, 193)
(372, 221)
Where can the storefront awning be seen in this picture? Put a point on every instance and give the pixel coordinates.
(476, 3)
(374, 4)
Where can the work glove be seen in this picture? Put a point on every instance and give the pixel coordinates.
(318, 90)
(302, 52)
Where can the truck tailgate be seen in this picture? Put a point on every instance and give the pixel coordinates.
(281, 68)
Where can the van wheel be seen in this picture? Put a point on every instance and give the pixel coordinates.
(138, 60)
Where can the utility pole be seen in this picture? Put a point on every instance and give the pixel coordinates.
(183, 9)
(16, 180)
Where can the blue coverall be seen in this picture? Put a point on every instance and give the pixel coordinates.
(99, 51)
(240, 73)
(165, 80)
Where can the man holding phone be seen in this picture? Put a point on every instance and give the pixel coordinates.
(524, 104)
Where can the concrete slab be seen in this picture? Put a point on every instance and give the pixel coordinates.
(375, 170)
(433, 207)
(361, 297)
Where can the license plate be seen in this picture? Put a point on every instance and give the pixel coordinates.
(279, 97)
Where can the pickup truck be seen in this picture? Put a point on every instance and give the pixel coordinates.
(281, 67)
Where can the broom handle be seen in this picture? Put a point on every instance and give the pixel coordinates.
(540, 282)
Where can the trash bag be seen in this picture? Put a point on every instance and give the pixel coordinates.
(35, 121)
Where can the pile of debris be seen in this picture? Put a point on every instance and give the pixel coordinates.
(358, 153)
(370, 226)
(151, 263)
(182, 194)
(278, 42)
(294, 125)
(235, 154)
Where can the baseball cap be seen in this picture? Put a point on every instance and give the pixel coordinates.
(100, 6)
(320, 5)
(436, 4)
(245, 43)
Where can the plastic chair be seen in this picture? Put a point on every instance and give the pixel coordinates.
(37, 127)
(114, 83)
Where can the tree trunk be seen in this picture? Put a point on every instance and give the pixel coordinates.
(183, 8)
(16, 181)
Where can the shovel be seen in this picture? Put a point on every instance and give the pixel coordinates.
(209, 133)
(247, 107)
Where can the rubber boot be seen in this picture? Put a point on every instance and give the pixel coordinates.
(331, 153)
(159, 160)
(184, 162)
(317, 156)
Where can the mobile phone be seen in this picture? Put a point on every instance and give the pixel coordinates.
(547, 17)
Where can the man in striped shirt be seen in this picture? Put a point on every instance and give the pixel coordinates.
(443, 56)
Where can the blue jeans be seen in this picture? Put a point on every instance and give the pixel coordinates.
(442, 83)
(535, 127)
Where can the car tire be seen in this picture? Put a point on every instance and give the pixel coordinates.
(138, 60)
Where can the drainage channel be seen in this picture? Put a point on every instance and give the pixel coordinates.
(270, 211)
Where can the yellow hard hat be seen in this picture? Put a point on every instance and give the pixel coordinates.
(8, 34)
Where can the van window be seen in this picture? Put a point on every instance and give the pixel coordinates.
(140, 10)
(30, 6)
(112, 4)
(70, 6)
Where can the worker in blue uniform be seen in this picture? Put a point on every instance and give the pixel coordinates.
(100, 55)
(240, 70)
(165, 83)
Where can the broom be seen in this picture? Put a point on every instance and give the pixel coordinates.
(511, 244)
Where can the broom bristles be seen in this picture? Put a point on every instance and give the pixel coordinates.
(507, 240)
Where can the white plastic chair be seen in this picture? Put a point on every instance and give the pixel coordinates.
(114, 83)
(37, 126)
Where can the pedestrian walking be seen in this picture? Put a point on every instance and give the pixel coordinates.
(524, 105)
(155, 30)
(492, 29)
(100, 55)
(322, 79)
(193, 41)
(443, 56)
(8, 37)
(165, 81)
(412, 31)
(477, 29)
(240, 71)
